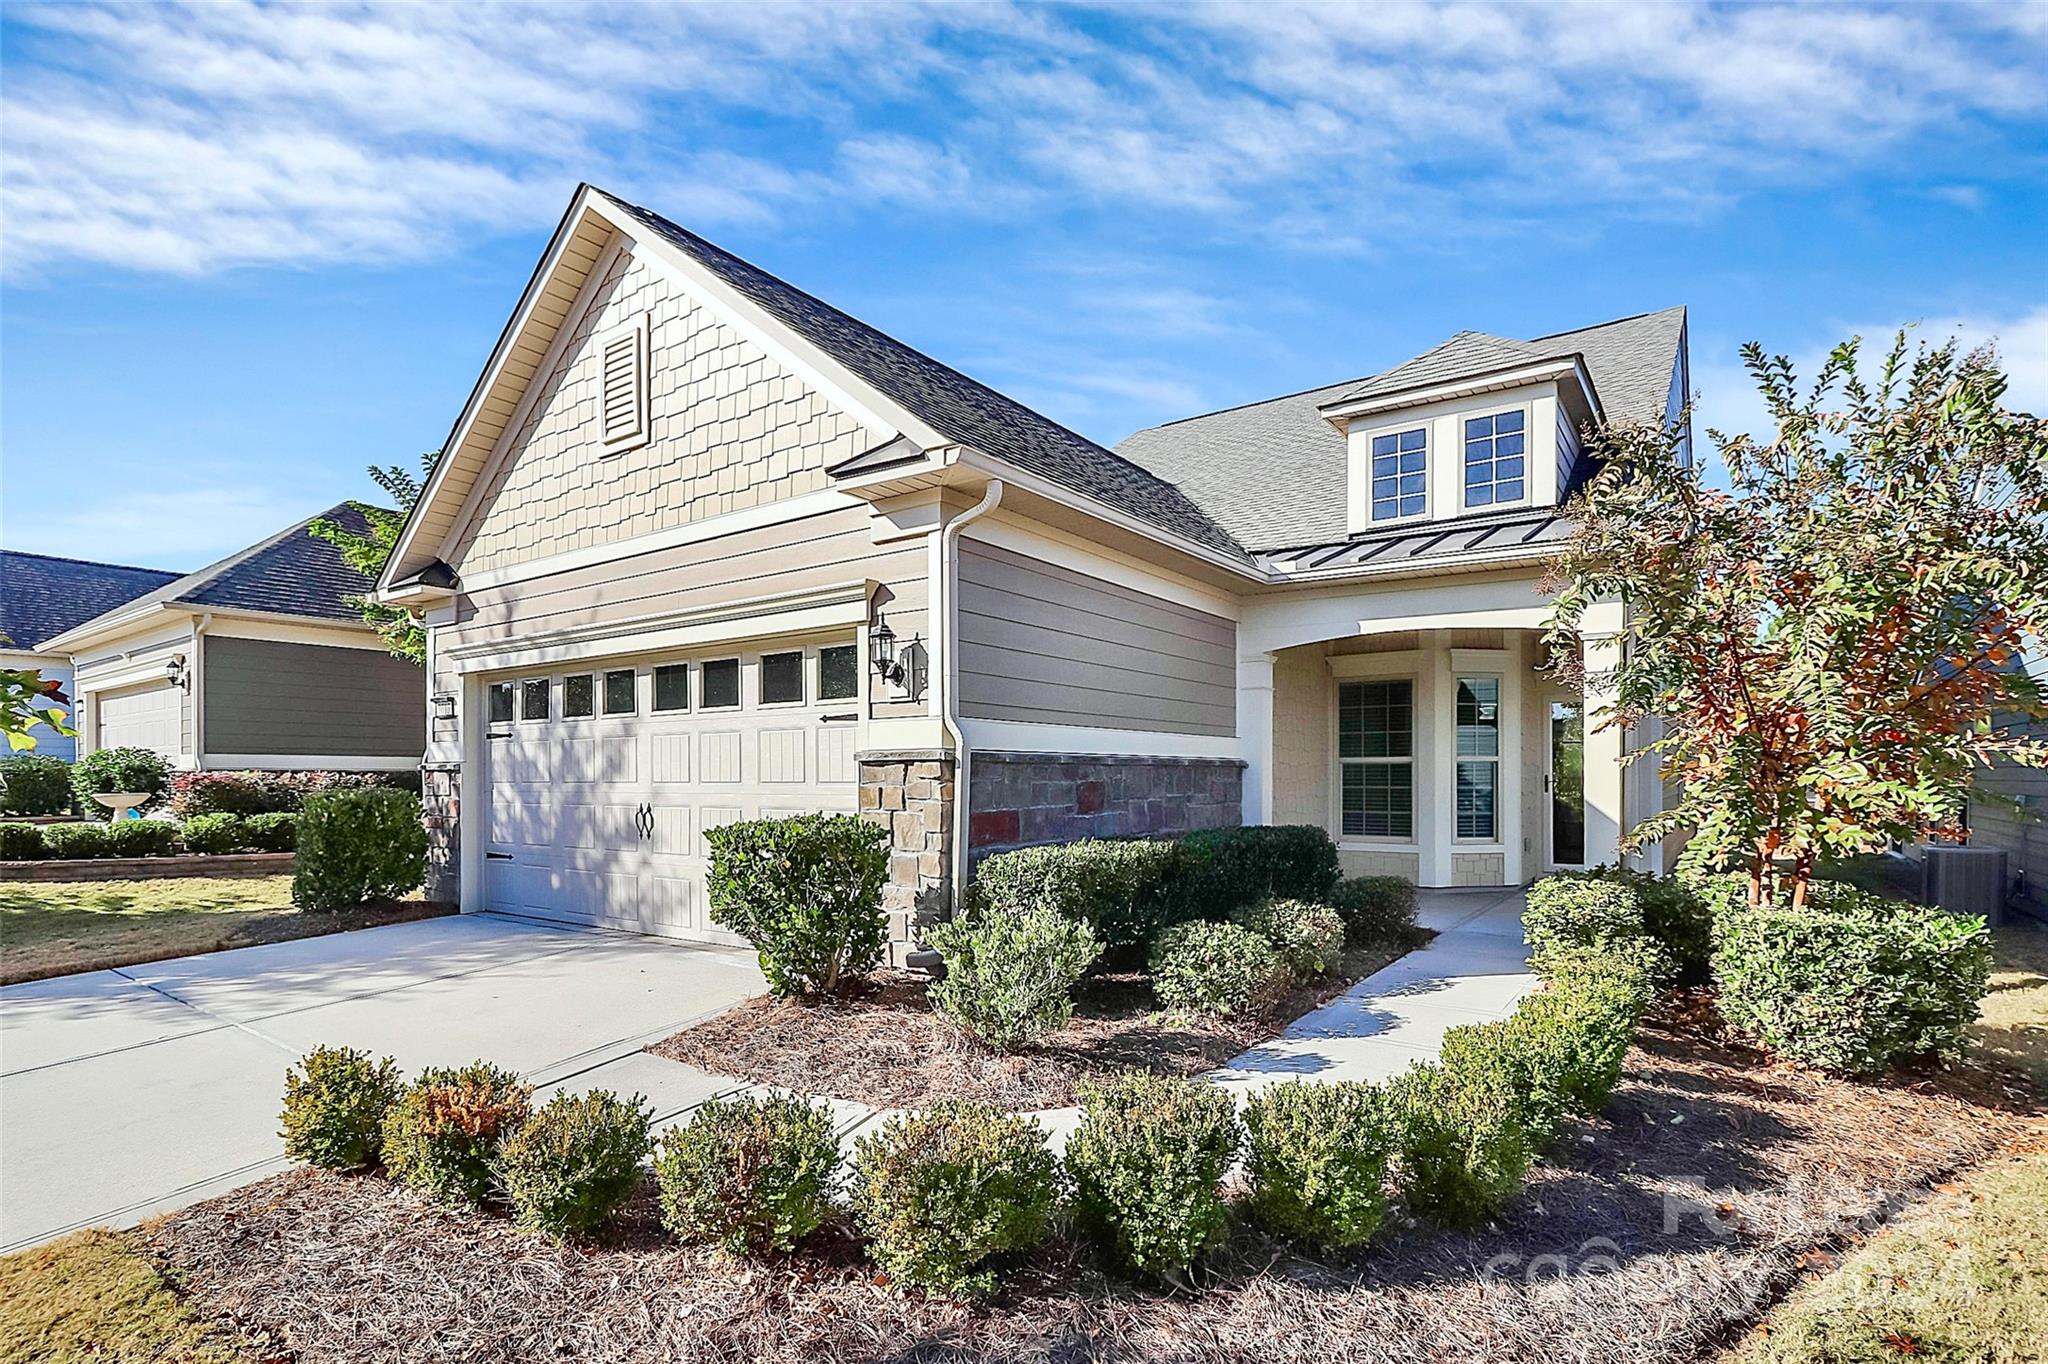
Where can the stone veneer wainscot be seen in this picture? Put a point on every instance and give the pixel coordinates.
(1020, 800)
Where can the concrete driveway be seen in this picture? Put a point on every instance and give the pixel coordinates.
(130, 1092)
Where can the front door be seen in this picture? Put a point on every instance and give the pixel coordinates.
(1567, 783)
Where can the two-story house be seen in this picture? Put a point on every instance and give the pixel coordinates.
(703, 547)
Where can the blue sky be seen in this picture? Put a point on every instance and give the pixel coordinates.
(247, 250)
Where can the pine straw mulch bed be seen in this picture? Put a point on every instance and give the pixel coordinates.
(881, 1042)
(1710, 1186)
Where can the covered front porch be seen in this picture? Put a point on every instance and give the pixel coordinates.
(1416, 725)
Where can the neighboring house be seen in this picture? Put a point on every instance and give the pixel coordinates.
(258, 661)
(42, 595)
(685, 498)
(2017, 820)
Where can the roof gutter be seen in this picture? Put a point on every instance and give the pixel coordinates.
(949, 713)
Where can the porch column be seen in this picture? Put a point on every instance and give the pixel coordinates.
(1255, 735)
(1606, 813)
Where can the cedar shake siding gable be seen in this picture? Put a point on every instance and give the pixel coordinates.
(1044, 644)
(729, 428)
(271, 698)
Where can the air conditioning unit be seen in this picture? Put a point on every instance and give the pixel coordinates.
(1965, 880)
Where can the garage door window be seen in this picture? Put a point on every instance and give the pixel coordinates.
(618, 692)
(672, 687)
(533, 699)
(722, 684)
(838, 673)
(501, 703)
(579, 697)
(782, 679)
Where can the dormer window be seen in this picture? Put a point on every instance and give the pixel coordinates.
(1495, 459)
(1400, 474)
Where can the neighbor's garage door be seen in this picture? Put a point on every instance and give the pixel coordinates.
(602, 782)
(143, 717)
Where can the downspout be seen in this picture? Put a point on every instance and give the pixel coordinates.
(949, 713)
(195, 677)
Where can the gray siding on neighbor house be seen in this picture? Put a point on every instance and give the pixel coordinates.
(2023, 833)
(269, 698)
(1047, 645)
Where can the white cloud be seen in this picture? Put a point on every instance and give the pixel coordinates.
(193, 137)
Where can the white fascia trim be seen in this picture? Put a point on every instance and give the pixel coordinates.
(1340, 413)
(842, 606)
(565, 232)
(710, 528)
(305, 762)
(294, 630)
(1018, 736)
(1102, 511)
(1021, 535)
(106, 627)
(1506, 557)
(838, 384)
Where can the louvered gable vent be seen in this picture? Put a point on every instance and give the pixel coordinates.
(622, 385)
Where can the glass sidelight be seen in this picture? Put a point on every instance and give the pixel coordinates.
(1567, 783)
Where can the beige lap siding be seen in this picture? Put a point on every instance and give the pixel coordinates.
(1047, 645)
(730, 428)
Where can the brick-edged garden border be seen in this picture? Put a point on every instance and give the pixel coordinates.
(146, 868)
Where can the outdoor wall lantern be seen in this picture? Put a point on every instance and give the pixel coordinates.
(882, 652)
(177, 671)
(444, 706)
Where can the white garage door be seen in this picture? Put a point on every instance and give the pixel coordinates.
(603, 781)
(143, 717)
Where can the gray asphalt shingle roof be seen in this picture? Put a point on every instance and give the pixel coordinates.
(290, 573)
(43, 595)
(962, 409)
(1273, 472)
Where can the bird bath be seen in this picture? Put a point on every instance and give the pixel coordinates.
(123, 803)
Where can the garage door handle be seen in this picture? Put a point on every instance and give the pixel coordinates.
(644, 818)
(829, 719)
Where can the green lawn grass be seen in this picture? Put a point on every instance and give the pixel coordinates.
(93, 1298)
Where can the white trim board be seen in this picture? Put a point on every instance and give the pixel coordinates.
(1019, 736)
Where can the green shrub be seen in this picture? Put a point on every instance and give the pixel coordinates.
(572, 1165)
(1309, 938)
(143, 838)
(1377, 910)
(260, 793)
(806, 891)
(358, 846)
(1125, 890)
(23, 842)
(1570, 1039)
(1851, 982)
(752, 1175)
(35, 784)
(1146, 1163)
(1231, 868)
(1465, 1138)
(70, 842)
(119, 769)
(940, 1193)
(1010, 976)
(271, 833)
(335, 1103)
(1572, 911)
(1316, 1158)
(442, 1135)
(221, 833)
(1217, 968)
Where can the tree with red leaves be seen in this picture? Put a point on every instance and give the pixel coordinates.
(1829, 644)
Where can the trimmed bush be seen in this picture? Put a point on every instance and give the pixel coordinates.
(258, 793)
(1851, 982)
(1309, 938)
(751, 1175)
(335, 1103)
(1231, 868)
(1217, 968)
(358, 846)
(1146, 1164)
(1569, 1040)
(23, 842)
(35, 784)
(1570, 911)
(271, 833)
(1465, 1139)
(806, 891)
(940, 1193)
(1377, 910)
(143, 838)
(572, 1165)
(1010, 976)
(1125, 890)
(1316, 1160)
(67, 842)
(119, 769)
(221, 833)
(442, 1135)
